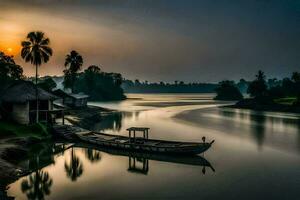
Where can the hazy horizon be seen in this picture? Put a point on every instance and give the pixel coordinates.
(203, 41)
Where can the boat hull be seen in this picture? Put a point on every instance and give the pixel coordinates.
(142, 145)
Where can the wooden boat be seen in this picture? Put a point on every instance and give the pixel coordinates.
(143, 144)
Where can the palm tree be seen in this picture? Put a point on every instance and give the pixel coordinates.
(73, 64)
(258, 87)
(296, 79)
(36, 50)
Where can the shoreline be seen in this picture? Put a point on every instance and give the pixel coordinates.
(88, 116)
(267, 108)
(14, 149)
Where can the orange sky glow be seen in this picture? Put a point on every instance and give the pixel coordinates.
(157, 40)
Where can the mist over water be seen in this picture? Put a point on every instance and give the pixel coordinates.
(256, 155)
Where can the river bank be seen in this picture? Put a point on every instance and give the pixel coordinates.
(12, 151)
(88, 116)
(16, 141)
(254, 105)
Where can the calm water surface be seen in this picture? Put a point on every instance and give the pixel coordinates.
(256, 155)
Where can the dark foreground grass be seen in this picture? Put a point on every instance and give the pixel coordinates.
(10, 129)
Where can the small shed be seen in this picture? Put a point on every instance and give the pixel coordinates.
(72, 99)
(19, 102)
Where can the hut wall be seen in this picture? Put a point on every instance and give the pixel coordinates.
(50, 103)
(73, 102)
(82, 102)
(20, 113)
(68, 101)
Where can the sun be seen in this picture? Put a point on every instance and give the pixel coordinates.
(9, 50)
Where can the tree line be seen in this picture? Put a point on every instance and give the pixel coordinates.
(261, 89)
(163, 87)
(9, 70)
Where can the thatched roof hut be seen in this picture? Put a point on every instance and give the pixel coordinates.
(23, 91)
(18, 102)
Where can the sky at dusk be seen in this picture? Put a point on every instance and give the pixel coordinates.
(154, 40)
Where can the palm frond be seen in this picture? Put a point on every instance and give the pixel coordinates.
(45, 41)
(39, 36)
(31, 37)
(47, 50)
(36, 48)
(26, 44)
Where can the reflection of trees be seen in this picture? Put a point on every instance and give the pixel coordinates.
(92, 155)
(228, 113)
(74, 168)
(258, 127)
(37, 185)
(111, 121)
(131, 115)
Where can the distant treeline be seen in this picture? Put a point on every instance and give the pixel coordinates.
(176, 87)
(162, 87)
(262, 91)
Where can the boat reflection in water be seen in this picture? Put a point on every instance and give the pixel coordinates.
(140, 165)
(134, 167)
(139, 161)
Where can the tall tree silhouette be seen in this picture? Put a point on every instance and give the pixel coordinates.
(73, 64)
(74, 168)
(90, 76)
(9, 70)
(296, 79)
(36, 50)
(258, 87)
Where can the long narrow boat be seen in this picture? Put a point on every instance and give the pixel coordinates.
(143, 144)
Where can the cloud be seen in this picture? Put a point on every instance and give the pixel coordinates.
(164, 40)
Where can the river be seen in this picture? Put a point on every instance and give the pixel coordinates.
(256, 155)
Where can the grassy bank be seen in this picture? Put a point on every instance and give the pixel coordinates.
(16, 143)
(278, 105)
(286, 101)
(11, 129)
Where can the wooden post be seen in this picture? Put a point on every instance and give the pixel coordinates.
(129, 162)
(129, 133)
(46, 117)
(134, 162)
(134, 135)
(63, 117)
